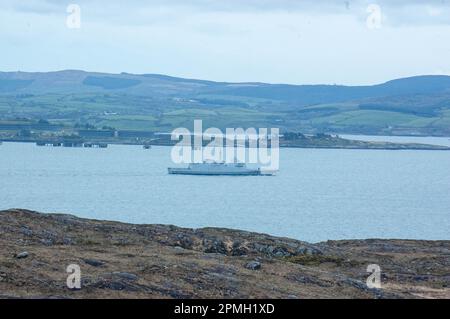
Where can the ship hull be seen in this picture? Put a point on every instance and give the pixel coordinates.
(184, 171)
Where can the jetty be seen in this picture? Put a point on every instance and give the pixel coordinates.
(71, 144)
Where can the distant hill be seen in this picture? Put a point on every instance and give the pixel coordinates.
(71, 81)
(415, 105)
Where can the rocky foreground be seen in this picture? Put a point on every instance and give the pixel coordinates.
(154, 261)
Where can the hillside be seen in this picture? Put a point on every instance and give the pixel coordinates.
(416, 105)
(120, 260)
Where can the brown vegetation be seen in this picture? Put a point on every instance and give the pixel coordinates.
(157, 261)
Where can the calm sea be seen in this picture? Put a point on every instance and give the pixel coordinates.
(317, 195)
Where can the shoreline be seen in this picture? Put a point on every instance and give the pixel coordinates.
(120, 260)
(357, 145)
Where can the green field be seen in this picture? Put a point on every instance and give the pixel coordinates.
(152, 102)
(164, 114)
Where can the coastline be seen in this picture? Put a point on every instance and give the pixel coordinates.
(119, 260)
(335, 143)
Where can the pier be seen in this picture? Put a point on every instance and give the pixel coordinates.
(71, 144)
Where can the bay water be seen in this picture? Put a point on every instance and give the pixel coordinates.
(319, 194)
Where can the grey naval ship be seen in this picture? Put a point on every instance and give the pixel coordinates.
(219, 168)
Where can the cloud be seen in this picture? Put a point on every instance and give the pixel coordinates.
(303, 41)
(397, 13)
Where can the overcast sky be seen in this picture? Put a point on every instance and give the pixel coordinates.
(276, 41)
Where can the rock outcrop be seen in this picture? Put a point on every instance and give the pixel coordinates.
(118, 260)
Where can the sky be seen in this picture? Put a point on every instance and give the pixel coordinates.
(354, 42)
